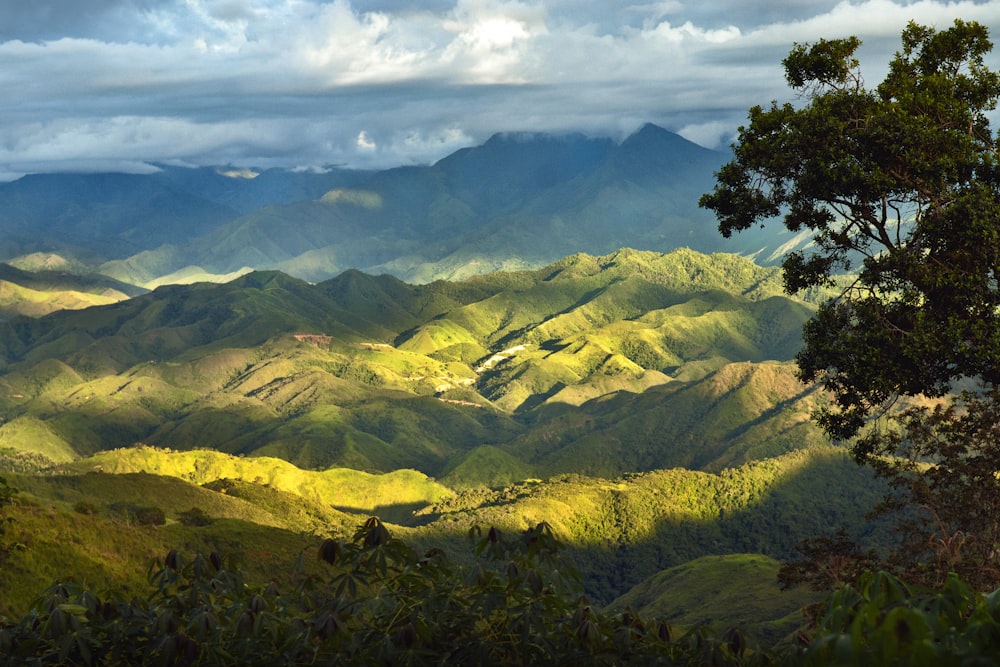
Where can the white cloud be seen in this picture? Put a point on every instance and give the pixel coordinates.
(364, 142)
(382, 82)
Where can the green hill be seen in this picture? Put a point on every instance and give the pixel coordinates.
(603, 365)
(85, 520)
(735, 590)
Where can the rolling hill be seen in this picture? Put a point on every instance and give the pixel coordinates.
(634, 360)
(642, 404)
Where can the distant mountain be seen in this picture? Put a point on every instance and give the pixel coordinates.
(636, 360)
(517, 201)
(100, 217)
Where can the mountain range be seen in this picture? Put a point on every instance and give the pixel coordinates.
(261, 357)
(643, 404)
(376, 374)
(517, 201)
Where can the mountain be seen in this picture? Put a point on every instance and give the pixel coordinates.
(36, 293)
(518, 201)
(94, 218)
(642, 404)
(598, 365)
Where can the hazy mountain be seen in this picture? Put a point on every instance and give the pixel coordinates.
(517, 201)
(99, 217)
(94, 217)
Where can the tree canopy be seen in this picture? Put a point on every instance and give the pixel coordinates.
(899, 187)
(898, 184)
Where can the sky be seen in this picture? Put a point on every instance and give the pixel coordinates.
(124, 85)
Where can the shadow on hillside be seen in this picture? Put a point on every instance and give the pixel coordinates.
(618, 534)
(401, 514)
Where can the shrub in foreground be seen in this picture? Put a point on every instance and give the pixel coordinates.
(373, 600)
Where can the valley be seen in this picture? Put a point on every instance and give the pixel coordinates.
(539, 330)
(642, 404)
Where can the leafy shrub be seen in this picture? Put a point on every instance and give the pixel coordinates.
(194, 517)
(143, 516)
(84, 507)
(376, 601)
(15, 460)
(882, 621)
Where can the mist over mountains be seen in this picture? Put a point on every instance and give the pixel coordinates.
(517, 201)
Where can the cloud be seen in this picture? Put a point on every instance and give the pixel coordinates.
(375, 83)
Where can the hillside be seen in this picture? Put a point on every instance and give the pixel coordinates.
(263, 513)
(49, 284)
(601, 365)
(641, 404)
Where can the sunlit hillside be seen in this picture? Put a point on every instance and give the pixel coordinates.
(643, 405)
(603, 365)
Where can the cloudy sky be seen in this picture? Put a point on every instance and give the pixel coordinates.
(121, 84)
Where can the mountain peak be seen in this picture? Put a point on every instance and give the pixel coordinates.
(654, 134)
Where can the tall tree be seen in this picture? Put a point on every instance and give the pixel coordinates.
(899, 186)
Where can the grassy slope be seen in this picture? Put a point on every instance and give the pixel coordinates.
(46, 290)
(721, 592)
(261, 528)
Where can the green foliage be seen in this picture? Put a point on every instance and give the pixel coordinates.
(882, 621)
(620, 531)
(7, 498)
(373, 599)
(378, 602)
(194, 517)
(902, 178)
(900, 182)
(21, 461)
(944, 466)
(84, 507)
(140, 515)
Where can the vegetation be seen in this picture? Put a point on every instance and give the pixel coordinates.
(640, 353)
(616, 532)
(901, 180)
(376, 600)
(7, 495)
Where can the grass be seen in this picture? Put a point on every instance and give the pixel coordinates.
(721, 592)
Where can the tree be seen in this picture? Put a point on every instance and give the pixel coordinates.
(899, 186)
(7, 496)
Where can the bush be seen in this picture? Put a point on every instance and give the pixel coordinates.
(83, 507)
(376, 602)
(194, 517)
(144, 516)
(150, 516)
